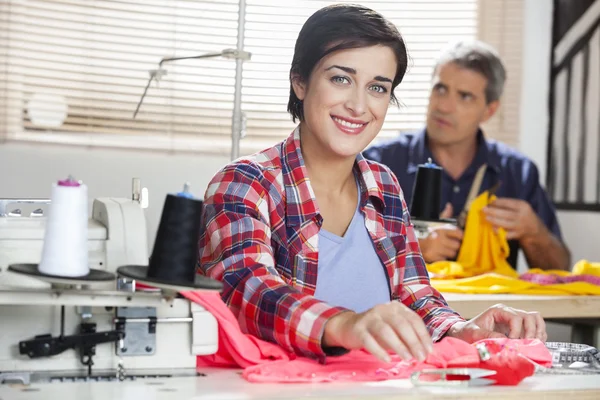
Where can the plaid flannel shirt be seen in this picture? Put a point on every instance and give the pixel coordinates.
(260, 238)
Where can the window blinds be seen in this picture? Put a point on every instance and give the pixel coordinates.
(94, 56)
(500, 25)
(271, 32)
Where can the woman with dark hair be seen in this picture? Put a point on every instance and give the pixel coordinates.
(313, 242)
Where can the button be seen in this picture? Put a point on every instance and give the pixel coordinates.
(456, 189)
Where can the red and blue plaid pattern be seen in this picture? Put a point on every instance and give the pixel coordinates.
(260, 238)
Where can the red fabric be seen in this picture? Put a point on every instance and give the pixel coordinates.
(513, 359)
(511, 366)
(236, 349)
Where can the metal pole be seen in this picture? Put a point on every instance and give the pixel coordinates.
(158, 320)
(236, 123)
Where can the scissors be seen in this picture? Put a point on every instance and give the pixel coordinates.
(492, 191)
(453, 377)
(462, 218)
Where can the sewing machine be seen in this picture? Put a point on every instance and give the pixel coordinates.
(106, 332)
(102, 330)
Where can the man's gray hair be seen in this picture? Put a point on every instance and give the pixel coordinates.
(479, 57)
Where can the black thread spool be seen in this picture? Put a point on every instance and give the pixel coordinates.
(427, 192)
(175, 251)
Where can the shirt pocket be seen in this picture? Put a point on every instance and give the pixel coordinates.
(392, 251)
(304, 255)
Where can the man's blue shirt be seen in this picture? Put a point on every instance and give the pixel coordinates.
(519, 175)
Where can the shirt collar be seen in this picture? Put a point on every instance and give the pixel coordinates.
(301, 203)
(419, 153)
(369, 183)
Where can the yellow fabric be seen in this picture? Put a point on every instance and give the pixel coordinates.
(582, 267)
(483, 249)
(550, 272)
(491, 283)
(585, 267)
(481, 266)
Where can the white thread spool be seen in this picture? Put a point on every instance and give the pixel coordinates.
(65, 251)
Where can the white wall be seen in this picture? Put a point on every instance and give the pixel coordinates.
(28, 170)
(580, 229)
(537, 42)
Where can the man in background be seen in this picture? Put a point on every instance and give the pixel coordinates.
(467, 85)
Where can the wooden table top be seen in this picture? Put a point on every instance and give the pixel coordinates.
(228, 384)
(469, 305)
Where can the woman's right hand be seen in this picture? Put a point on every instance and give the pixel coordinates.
(386, 327)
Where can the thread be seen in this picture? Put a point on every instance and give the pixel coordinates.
(427, 192)
(65, 249)
(175, 252)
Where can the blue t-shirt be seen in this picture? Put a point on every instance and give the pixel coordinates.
(519, 176)
(350, 274)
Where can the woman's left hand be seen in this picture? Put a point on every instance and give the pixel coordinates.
(500, 321)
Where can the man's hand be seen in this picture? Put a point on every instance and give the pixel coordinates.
(443, 242)
(386, 327)
(516, 217)
(500, 321)
(542, 248)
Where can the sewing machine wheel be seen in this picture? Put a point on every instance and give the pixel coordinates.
(94, 276)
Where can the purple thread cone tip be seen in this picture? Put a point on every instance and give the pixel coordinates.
(70, 181)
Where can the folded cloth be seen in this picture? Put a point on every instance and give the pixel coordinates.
(513, 359)
(549, 278)
(492, 283)
(584, 267)
(583, 271)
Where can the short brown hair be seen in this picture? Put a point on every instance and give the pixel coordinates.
(338, 27)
